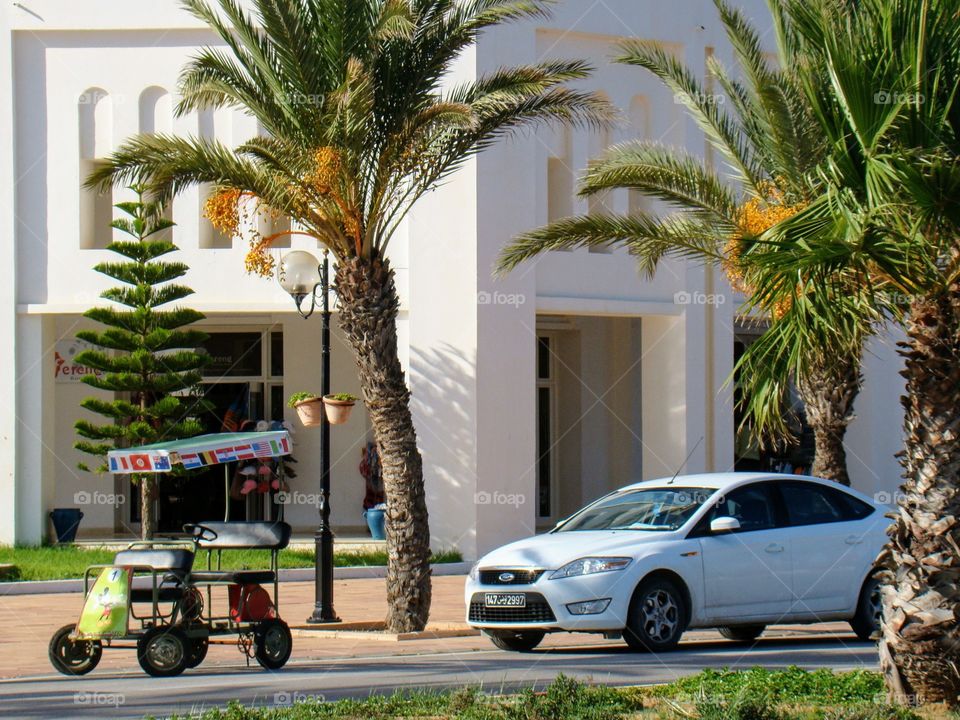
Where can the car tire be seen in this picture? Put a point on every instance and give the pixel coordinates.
(198, 651)
(866, 621)
(519, 641)
(657, 616)
(73, 657)
(742, 633)
(163, 651)
(272, 643)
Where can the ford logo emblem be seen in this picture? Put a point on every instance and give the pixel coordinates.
(506, 577)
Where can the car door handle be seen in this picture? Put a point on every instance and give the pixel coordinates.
(774, 548)
(854, 540)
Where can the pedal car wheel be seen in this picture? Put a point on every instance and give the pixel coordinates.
(163, 651)
(198, 651)
(273, 644)
(73, 657)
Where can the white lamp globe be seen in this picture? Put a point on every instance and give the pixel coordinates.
(298, 273)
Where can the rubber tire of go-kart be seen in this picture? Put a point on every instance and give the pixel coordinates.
(171, 640)
(867, 620)
(198, 651)
(742, 633)
(73, 657)
(661, 591)
(518, 641)
(272, 643)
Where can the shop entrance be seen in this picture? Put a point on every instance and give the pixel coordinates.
(244, 382)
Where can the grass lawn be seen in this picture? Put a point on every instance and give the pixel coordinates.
(756, 694)
(57, 562)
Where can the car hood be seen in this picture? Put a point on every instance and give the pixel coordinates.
(554, 550)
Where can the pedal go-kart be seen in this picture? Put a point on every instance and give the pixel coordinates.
(153, 600)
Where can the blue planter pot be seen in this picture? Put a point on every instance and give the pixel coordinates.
(376, 520)
(65, 523)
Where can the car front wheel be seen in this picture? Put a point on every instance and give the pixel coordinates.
(519, 641)
(657, 616)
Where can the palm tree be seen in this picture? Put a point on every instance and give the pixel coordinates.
(359, 125)
(883, 79)
(769, 143)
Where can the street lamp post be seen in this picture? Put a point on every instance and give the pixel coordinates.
(301, 276)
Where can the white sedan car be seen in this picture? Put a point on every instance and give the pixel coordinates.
(734, 551)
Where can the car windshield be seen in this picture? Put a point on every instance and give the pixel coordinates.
(644, 509)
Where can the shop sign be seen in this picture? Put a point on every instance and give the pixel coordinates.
(65, 367)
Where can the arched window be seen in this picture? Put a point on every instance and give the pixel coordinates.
(156, 111)
(268, 223)
(212, 125)
(560, 178)
(599, 203)
(156, 116)
(639, 130)
(95, 124)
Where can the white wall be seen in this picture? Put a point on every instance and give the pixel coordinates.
(471, 365)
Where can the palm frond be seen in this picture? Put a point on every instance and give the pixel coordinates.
(647, 237)
(664, 173)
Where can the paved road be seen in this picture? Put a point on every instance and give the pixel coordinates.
(133, 695)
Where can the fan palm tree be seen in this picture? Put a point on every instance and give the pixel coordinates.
(884, 83)
(359, 125)
(769, 143)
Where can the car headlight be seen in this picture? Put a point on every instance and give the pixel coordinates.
(474, 571)
(590, 566)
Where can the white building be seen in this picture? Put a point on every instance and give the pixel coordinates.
(531, 395)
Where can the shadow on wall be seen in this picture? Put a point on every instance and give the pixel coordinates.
(444, 410)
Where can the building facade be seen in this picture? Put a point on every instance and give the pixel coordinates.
(531, 395)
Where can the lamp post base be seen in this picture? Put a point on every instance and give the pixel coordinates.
(323, 611)
(322, 616)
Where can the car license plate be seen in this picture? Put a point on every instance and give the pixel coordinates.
(511, 600)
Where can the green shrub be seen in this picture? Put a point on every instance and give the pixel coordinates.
(746, 705)
(869, 711)
(792, 685)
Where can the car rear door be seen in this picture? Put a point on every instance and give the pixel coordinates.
(747, 572)
(831, 533)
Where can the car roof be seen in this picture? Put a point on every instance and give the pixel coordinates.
(717, 480)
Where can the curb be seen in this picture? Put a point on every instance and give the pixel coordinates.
(45, 587)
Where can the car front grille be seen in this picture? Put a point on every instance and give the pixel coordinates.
(520, 577)
(537, 610)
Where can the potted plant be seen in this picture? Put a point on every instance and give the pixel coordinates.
(338, 407)
(308, 406)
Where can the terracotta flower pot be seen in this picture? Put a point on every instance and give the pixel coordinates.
(338, 411)
(310, 412)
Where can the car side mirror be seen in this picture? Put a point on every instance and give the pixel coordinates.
(724, 524)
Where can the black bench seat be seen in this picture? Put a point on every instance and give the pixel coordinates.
(238, 577)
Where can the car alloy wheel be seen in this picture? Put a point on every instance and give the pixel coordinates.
(657, 616)
(660, 616)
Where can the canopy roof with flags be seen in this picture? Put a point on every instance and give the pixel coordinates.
(199, 451)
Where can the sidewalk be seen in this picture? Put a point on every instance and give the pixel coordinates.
(29, 621)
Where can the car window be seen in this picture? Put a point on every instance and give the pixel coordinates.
(665, 508)
(809, 503)
(752, 505)
(854, 508)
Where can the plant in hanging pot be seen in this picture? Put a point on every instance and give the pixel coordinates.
(309, 407)
(338, 407)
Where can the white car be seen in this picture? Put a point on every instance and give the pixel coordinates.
(734, 551)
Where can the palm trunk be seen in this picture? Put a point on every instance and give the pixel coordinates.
(148, 484)
(920, 647)
(368, 313)
(828, 392)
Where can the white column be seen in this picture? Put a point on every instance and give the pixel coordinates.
(8, 294)
(35, 441)
(664, 378)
